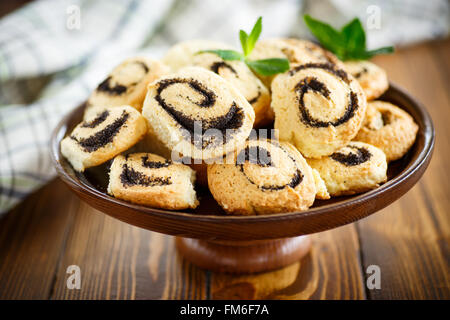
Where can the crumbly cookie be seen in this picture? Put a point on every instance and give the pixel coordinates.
(176, 106)
(355, 168)
(321, 188)
(151, 180)
(318, 108)
(371, 77)
(312, 52)
(295, 50)
(389, 128)
(127, 83)
(236, 72)
(183, 53)
(102, 136)
(262, 178)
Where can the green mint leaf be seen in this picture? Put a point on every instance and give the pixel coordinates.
(354, 35)
(383, 50)
(367, 54)
(225, 54)
(254, 36)
(269, 67)
(243, 36)
(265, 67)
(328, 37)
(347, 44)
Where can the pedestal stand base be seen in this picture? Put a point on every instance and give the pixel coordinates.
(243, 256)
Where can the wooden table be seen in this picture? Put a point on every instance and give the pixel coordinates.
(409, 240)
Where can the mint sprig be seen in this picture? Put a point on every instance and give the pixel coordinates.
(265, 67)
(349, 43)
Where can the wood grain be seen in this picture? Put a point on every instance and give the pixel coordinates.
(330, 271)
(32, 241)
(119, 261)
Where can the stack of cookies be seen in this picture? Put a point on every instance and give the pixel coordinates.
(189, 120)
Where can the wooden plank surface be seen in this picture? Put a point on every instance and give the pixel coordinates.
(330, 271)
(120, 261)
(32, 242)
(408, 240)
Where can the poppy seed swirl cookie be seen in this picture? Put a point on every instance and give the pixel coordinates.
(198, 114)
(102, 136)
(183, 53)
(312, 52)
(318, 108)
(355, 168)
(261, 178)
(389, 128)
(371, 77)
(127, 83)
(236, 72)
(149, 179)
(295, 50)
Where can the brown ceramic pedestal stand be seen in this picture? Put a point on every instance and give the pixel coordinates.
(243, 244)
(243, 256)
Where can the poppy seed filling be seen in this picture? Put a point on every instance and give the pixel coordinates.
(131, 177)
(118, 89)
(312, 84)
(105, 86)
(216, 66)
(233, 119)
(352, 159)
(104, 136)
(154, 164)
(98, 120)
(261, 157)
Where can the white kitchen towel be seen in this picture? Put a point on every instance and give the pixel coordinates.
(54, 52)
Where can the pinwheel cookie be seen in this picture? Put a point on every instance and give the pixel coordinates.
(355, 168)
(263, 177)
(149, 179)
(389, 128)
(127, 83)
(318, 108)
(371, 77)
(295, 50)
(198, 114)
(236, 72)
(308, 51)
(102, 136)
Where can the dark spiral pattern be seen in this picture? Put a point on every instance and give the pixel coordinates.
(118, 89)
(259, 156)
(104, 136)
(131, 177)
(352, 159)
(233, 119)
(217, 66)
(154, 164)
(97, 121)
(312, 84)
